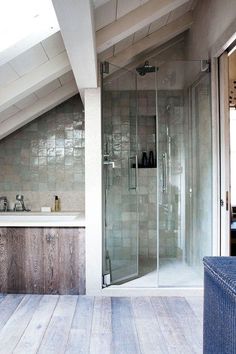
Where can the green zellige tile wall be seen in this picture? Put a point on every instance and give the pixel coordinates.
(46, 157)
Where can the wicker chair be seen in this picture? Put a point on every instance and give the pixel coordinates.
(219, 329)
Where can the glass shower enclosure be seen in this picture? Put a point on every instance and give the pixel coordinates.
(156, 174)
(120, 204)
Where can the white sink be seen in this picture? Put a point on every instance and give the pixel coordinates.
(24, 219)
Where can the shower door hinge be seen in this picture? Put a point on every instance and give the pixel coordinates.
(206, 66)
(106, 280)
(105, 67)
(226, 203)
(227, 200)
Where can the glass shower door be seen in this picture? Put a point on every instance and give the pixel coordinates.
(185, 172)
(119, 120)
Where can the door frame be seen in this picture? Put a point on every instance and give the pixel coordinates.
(219, 217)
(224, 154)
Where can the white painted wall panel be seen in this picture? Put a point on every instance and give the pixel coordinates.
(141, 34)
(105, 14)
(29, 60)
(64, 79)
(125, 43)
(124, 6)
(7, 75)
(106, 53)
(8, 113)
(212, 18)
(44, 91)
(53, 45)
(98, 3)
(93, 190)
(181, 10)
(27, 101)
(158, 24)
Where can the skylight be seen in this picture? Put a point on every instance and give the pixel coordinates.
(20, 19)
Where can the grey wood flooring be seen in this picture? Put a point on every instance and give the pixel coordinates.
(100, 325)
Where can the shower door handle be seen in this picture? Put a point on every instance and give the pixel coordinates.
(112, 163)
(164, 172)
(132, 186)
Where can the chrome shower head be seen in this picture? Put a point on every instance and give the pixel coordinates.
(146, 68)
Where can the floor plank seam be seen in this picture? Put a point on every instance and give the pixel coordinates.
(2, 297)
(27, 323)
(158, 322)
(136, 330)
(67, 342)
(58, 297)
(192, 345)
(72, 318)
(91, 327)
(24, 295)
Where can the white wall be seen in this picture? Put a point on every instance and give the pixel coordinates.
(212, 21)
(93, 191)
(213, 30)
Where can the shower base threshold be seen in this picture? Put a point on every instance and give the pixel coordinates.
(116, 290)
(172, 273)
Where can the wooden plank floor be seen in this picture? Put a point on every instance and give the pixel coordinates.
(101, 325)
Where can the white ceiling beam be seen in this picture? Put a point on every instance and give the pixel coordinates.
(134, 21)
(43, 105)
(81, 92)
(155, 39)
(34, 80)
(75, 18)
(27, 43)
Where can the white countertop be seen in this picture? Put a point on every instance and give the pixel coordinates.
(40, 219)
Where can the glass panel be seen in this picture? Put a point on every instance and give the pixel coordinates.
(157, 174)
(147, 177)
(184, 161)
(120, 176)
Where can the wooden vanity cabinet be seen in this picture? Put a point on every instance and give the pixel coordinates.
(42, 260)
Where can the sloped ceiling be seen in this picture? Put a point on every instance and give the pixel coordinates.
(37, 75)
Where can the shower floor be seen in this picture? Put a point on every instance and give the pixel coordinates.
(172, 273)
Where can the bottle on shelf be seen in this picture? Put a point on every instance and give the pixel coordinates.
(57, 204)
(144, 159)
(151, 159)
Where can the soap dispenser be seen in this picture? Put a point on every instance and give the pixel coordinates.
(57, 204)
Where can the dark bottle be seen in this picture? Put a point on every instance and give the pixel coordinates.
(151, 159)
(144, 159)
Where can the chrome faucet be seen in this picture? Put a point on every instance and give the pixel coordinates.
(20, 198)
(5, 203)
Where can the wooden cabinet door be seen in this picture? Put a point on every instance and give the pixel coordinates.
(50, 260)
(33, 263)
(71, 262)
(42, 260)
(64, 261)
(3, 260)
